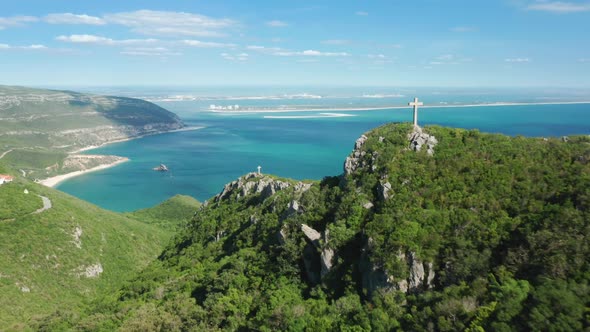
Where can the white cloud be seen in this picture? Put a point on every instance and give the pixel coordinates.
(69, 18)
(15, 21)
(559, 7)
(518, 60)
(151, 22)
(362, 13)
(99, 40)
(284, 52)
(463, 29)
(448, 59)
(236, 57)
(310, 53)
(198, 43)
(149, 52)
(33, 47)
(277, 24)
(336, 42)
(264, 49)
(376, 56)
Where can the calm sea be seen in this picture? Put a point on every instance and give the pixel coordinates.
(300, 145)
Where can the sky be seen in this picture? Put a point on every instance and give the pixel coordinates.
(443, 43)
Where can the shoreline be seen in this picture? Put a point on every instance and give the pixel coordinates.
(92, 147)
(382, 108)
(55, 180)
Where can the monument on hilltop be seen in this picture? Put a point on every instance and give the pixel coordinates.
(416, 103)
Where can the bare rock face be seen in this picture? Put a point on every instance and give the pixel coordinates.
(293, 208)
(376, 278)
(419, 139)
(311, 234)
(353, 161)
(326, 259)
(384, 189)
(254, 183)
(90, 271)
(416, 271)
(326, 255)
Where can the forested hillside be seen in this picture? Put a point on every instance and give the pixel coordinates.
(441, 229)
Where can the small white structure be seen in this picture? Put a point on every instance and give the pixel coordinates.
(416, 103)
(259, 170)
(26, 191)
(5, 179)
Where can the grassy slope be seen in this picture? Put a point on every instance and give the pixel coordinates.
(38, 251)
(170, 214)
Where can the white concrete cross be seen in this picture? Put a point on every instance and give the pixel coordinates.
(416, 103)
(259, 168)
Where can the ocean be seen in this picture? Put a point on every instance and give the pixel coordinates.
(298, 143)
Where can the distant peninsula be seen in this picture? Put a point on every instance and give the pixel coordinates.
(41, 131)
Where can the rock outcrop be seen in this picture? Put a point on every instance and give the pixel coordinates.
(254, 183)
(375, 277)
(326, 254)
(419, 139)
(353, 161)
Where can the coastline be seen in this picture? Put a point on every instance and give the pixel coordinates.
(55, 180)
(382, 108)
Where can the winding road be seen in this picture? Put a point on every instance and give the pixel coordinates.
(5, 153)
(46, 204)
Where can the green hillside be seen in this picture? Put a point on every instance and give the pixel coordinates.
(171, 214)
(38, 127)
(64, 256)
(472, 232)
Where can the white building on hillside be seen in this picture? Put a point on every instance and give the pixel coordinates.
(5, 179)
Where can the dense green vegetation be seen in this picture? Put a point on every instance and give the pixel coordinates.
(489, 233)
(45, 257)
(171, 214)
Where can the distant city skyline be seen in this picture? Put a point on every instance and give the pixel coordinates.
(507, 43)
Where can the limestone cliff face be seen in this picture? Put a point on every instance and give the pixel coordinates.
(254, 183)
(374, 277)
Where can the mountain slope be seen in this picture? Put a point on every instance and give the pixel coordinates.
(61, 257)
(171, 214)
(442, 229)
(38, 127)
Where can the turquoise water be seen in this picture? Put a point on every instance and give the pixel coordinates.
(202, 161)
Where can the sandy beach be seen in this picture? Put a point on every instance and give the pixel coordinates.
(383, 108)
(54, 181)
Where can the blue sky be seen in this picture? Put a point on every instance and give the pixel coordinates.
(500, 43)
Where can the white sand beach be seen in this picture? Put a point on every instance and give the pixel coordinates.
(55, 180)
(383, 108)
